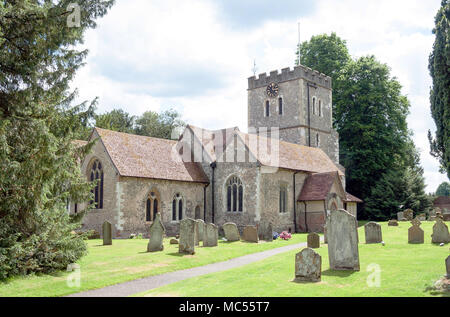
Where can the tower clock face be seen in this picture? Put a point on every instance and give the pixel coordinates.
(272, 90)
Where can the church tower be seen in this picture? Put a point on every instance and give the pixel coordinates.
(299, 103)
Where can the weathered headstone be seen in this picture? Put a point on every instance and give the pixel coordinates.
(308, 266)
(393, 223)
(372, 231)
(447, 265)
(187, 236)
(401, 216)
(415, 233)
(265, 231)
(313, 241)
(173, 241)
(250, 234)
(409, 214)
(422, 217)
(156, 231)
(107, 233)
(210, 235)
(440, 232)
(231, 231)
(343, 250)
(325, 238)
(201, 228)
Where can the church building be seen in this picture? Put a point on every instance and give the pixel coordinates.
(285, 170)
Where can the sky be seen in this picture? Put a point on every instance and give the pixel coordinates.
(195, 55)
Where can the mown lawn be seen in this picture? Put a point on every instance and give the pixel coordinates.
(406, 270)
(127, 260)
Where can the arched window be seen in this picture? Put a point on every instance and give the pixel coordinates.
(314, 105)
(197, 213)
(177, 207)
(152, 205)
(280, 106)
(283, 198)
(320, 108)
(97, 176)
(267, 108)
(317, 140)
(235, 195)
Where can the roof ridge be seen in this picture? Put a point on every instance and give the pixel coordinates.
(136, 135)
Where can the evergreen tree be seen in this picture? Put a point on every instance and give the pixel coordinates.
(38, 163)
(443, 189)
(439, 66)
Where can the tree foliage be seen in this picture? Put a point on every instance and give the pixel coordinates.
(116, 120)
(443, 189)
(38, 162)
(439, 66)
(159, 125)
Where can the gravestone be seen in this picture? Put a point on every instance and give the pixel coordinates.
(447, 265)
(422, 217)
(187, 236)
(107, 233)
(440, 232)
(201, 228)
(156, 231)
(210, 235)
(250, 234)
(313, 241)
(393, 223)
(173, 241)
(343, 250)
(415, 233)
(231, 231)
(325, 238)
(409, 214)
(373, 234)
(265, 231)
(308, 266)
(401, 216)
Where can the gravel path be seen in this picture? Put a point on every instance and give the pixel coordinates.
(151, 282)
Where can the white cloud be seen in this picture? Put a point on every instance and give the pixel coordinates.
(150, 55)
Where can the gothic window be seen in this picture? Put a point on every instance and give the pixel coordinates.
(235, 195)
(152, 204)
(280, 106)
(267, 108)
(177, 208)
(283, 198)
(320, 108)
(97, 176)
(314, 105)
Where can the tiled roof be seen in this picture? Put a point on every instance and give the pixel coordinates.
(350, 197)
(291, 156)
(441, 201)
(141, 156)
(79, 143)
(317, 186)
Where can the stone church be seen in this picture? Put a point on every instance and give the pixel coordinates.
(285, 170)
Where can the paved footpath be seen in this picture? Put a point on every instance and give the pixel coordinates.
(151, 282)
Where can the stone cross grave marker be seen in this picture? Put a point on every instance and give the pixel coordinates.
(415, 233)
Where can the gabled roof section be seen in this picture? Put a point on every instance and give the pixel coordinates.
(318, 186)
(289, 155)
(79, 143)
(146, 157)
(351, 198)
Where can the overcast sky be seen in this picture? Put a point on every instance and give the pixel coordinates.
(195, 55)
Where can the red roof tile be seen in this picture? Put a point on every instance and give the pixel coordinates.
(141, 156)
(317, 186)
(350, 197)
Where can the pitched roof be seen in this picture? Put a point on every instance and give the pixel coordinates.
(142, 156)
(317, 186)
(351, 198)
(290, 156)
(79, 143)
(441, 201)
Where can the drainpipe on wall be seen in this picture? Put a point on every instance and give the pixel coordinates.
(295, 204)
(213, 166)
(309, 111)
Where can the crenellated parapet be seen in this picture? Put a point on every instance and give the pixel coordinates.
(287, 74)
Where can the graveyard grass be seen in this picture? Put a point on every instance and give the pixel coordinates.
(127, 260)
(406, 270)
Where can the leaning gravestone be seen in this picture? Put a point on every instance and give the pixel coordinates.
(107, 233)
(440, 232)
(393, 223)
(447, 265)
(308, 266)
(401, 216)
(415, 233)
(372, 231)
(343, 250)
(187, 236)
(265, 231)
(313, 241)
(156, 231)
(210, 235)
(231, 232)
(201, 226)
(409, 214)
(250, 234)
